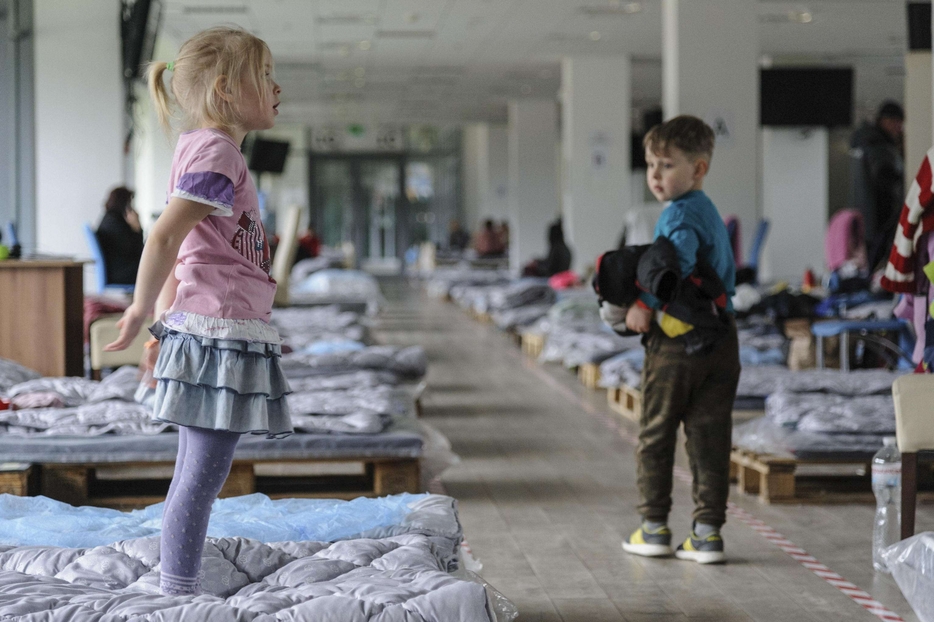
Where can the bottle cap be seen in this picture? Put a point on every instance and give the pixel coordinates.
(889, 441)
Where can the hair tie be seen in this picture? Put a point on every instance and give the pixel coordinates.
(170, 65)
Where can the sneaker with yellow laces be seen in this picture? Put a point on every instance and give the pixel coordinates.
(706, 550)
(649, 542)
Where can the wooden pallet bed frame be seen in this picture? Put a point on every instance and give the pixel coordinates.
(132, 485)
(533, 344)
(785, 479)
(625, 401)
(589, 375)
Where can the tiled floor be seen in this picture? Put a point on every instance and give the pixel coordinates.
(546, 491)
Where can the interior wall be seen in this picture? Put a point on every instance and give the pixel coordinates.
(79, 118)
(794, 195)
(919, 125)
(152, 147)
(291, 186)
(716, 77)
(534, 199)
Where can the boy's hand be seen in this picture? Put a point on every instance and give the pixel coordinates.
(639, 319)
(612, 314)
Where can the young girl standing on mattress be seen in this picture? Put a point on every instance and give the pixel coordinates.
(205, 271)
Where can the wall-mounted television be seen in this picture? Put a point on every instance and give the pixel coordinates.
(139, 26)
(816, 96)
(268, 156)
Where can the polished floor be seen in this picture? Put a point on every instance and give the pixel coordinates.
(546, 492)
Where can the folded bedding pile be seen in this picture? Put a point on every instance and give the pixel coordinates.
(575, 334)
(761, 343)
(623, 369)
(339, 385)
(408, 363)
(522, 293)
(520, 317)
(380, 560)
(338, 287)
(354, 402)
(77, 407)
(301, 327)
(12, 374)
(443, 280)
(818, 411)
(766, 380)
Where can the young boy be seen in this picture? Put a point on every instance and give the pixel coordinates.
(695, 389)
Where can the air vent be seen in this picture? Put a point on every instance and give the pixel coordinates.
(789, 17)
(335, 45)
(621, 10)
(345, 19)
(405, 34)
(220, 9)
(423, 80)
(439, 70)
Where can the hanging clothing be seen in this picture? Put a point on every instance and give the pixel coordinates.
(917, 218)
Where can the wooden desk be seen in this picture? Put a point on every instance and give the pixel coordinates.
(41, 315)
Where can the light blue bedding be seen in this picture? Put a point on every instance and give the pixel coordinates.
(43, 521)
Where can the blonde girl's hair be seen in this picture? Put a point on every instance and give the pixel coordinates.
(218, 59)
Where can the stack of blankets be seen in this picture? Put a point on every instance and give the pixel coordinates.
(818, 411)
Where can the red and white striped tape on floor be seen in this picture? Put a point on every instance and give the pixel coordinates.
(859, 596)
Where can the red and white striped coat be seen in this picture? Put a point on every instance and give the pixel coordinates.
(917, 218)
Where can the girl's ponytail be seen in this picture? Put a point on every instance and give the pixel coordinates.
(159, 94)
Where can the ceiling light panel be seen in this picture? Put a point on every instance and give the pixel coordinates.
(331, 7)
(404, 35)
(215, 10)
(615, 9)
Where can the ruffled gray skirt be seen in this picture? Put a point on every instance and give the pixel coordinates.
(220, 384)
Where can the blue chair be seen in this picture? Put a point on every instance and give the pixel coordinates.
(100, 268)
(866, 328)
(755, 252)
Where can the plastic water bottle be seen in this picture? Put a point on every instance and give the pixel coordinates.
(887, 485)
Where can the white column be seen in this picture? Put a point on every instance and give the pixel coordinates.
(794, 200)
(919, 125)
(153, 150)
(475, 162)
(595, 128)
(497, 192)
(79, 118)
(710, 70)
(533, 186)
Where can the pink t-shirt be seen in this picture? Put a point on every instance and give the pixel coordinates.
(224, 261)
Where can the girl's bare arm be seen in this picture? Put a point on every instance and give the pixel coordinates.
(158, 262)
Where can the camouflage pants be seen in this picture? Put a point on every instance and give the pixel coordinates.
(697, 391)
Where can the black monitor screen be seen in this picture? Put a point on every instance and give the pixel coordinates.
(139, 28)
(268, 156)
(807, 96)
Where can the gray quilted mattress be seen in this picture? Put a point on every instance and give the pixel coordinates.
(401, 439)
(397, 574)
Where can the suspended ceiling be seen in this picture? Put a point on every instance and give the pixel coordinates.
(457, 61)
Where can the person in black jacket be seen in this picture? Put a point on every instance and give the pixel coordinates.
(120, 237)
(559, 255)
(877, 179)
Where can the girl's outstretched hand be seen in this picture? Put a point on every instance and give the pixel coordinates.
(129, 325)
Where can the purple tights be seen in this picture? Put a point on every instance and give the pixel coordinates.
(202, 466)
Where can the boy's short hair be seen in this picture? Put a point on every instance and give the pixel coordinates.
(689, 134)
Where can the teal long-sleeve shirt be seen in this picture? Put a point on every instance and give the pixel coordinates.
(694, 226)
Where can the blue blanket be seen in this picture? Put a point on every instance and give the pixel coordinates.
(42, 521)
